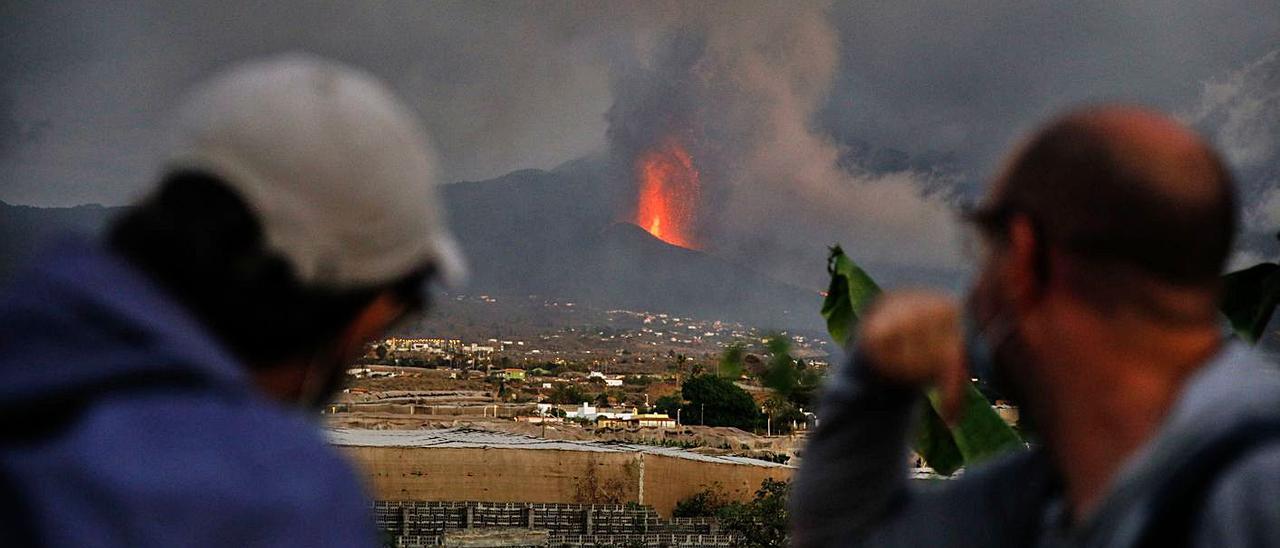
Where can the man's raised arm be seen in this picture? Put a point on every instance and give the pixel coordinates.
(853, 474)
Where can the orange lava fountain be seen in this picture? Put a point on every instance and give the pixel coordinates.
(668, 193)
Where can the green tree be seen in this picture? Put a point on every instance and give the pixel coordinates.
(761, 523)
(717, 401)
(567, 394)
(697, 369)
(668, 404)
(782, 413)
(787, 376)
(780, 373)
(730, 365)
(602, 399)
(810, 380)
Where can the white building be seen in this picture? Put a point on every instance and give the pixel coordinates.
(591, 413)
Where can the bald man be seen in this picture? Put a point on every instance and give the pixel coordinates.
(1095, 310)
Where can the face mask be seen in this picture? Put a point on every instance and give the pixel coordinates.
(323, 380)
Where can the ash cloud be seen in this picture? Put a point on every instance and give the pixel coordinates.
(963, 80)
(741, 91)
(913, 101)
(1240, 113)
(17, 133)
(501, 86)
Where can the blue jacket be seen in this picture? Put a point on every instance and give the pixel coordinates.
(123, 423)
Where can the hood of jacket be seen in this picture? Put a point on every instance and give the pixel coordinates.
(81, 317)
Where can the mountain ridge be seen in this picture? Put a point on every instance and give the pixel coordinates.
(557, 233)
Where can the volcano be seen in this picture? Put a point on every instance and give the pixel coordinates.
(556, 233)
(632, 267)
(668, 192)
(550, 233)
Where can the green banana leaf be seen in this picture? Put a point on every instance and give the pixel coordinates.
(1249, 297)
(848, 296)
(980, 432)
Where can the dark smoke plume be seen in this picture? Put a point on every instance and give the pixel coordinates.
(740, 91)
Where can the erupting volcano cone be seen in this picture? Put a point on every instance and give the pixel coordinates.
(668, 185)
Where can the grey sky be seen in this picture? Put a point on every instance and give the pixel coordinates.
(85, 86)
(965, 77)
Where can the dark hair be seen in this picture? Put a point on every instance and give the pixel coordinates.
(200, 241)
(1168, 216)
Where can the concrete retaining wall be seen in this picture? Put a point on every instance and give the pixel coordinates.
(550, 475)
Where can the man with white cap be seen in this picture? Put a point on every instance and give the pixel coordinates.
(160, 386)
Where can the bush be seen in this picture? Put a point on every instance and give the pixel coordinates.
(762, 522)
(703, 504)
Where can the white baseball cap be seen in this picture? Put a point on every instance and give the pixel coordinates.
(337, 170)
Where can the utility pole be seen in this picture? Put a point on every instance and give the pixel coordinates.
(703, 419)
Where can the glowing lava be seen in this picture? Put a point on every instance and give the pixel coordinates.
(668, 192)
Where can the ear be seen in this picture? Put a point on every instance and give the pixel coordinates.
(372, 322)
(1022, 269)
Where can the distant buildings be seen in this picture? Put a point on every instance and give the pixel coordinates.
(609, 380)
(510, 374)
(477, 350)
(620, 418)
(642, 420)
(436, 346)
(425, 350)
(587, 413)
